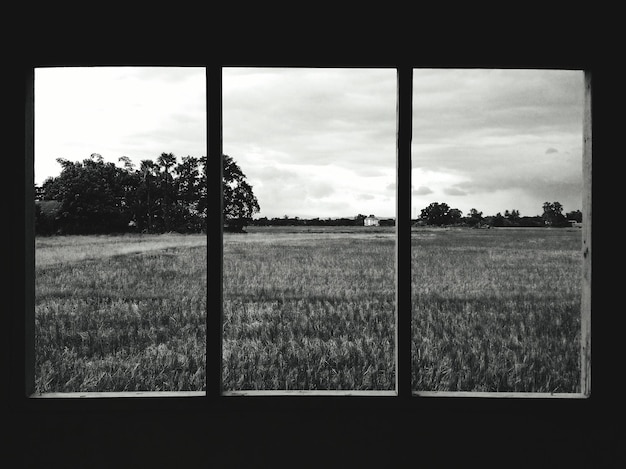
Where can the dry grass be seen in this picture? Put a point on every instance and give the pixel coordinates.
(120, 313)
(493, 310)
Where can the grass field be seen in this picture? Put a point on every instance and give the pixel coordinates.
(120, 313)
(493, 310)
(497, 310)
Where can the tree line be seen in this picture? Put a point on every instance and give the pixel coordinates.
(440, 214)
(94, 196)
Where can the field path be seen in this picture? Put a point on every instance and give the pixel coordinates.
(70, 249)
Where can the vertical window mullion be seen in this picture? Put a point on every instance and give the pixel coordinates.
(403, 231)
(214, 232)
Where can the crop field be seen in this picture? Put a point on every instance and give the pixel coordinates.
(123, 313)
(304, 308)
(497, 310)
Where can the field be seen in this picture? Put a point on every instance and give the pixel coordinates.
(497, 310)
(493, 310)
(120, 313)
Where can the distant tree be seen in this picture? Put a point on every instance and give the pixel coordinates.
(440, 214)
(474, 217)
(575, 215)
(454, 216)
(435, 213)
(552, 214)
(513, 216)
(128, 164)
(498, 220)
(239, 202)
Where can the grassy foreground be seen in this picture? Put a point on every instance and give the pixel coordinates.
(309, 310)
(120, 313)
(493, 310)
(497, 310)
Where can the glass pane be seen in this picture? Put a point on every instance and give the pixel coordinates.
(496, 239)
(120, 214)
(309, 292)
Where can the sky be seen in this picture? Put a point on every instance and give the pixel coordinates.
(321, 142)
(117, 111)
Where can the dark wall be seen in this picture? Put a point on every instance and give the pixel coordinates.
(435, 433)
(541, 437)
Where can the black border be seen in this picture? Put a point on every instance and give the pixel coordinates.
(332, 432)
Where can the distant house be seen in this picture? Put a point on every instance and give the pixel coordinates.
(371, 221)
(575, 224)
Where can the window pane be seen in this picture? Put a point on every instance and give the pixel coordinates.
(496, 244)
(120, 215)
(309, 292)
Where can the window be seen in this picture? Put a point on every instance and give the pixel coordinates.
(497, 264)
(120, 256)
(309, 294)
(216, 294)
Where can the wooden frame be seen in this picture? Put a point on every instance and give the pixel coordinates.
(585, 320)
(214, 391)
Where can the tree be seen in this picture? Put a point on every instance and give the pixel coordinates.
(145, 217)
(440, 214)
(552, 214)
(575, 215)
(91, 194)
(166, 161)
(474, 217)
(454, 216)
(498, 220)
(94, 196)
(239, 201)
(513, 216)
(188, 190)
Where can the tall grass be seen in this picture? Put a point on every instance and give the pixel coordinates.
(111, 321)
(493, 310)
(496, 310)
(308, 312)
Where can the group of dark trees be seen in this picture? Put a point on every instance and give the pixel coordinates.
(440, 214)
(94, 196)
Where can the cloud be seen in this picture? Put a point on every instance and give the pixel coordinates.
(319, 190)
(422, 190)
(339, 117)
(454, 191)
(551, 150)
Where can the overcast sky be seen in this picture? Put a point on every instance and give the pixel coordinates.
(321, 142)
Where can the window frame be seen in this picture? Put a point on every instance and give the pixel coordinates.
(215, 396)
